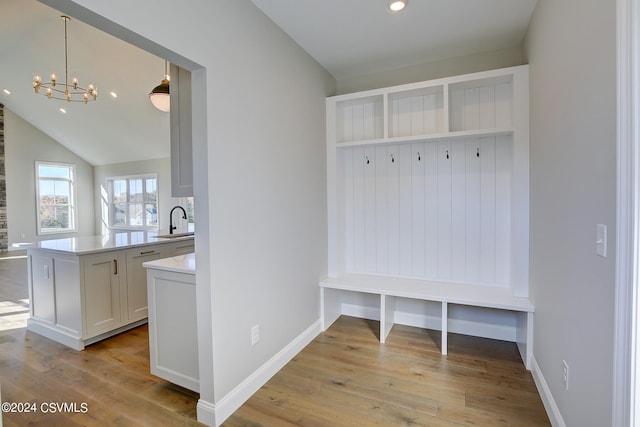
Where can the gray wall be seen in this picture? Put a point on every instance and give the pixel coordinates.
(571, 47)
(24, 145)
(433, 70)
(260, 184)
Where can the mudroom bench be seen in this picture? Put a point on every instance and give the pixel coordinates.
(390, 288)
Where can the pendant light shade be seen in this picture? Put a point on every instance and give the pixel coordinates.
(159, 96)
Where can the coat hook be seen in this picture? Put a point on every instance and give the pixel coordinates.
(447, 154)
(418, 156)
(367, 157)
(393, 160)
(477, 151)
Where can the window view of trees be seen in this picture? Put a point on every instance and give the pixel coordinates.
(134, 202)
(55, 197)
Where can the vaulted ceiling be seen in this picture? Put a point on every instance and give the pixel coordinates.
(348, 38)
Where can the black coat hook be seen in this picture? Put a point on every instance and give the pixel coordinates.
(477, 151)
(447, 154)
(419, 158)
(367, 157)
(393, 160)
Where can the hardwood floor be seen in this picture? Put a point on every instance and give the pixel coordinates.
(345, 377)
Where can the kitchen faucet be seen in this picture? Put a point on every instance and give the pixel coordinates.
(184, 216)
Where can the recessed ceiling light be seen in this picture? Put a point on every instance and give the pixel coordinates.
(113, 94)
(62, 110)
(7, 91)
(397, 5)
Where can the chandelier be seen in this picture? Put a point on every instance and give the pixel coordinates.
(70, 92)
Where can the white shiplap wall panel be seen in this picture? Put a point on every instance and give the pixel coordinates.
(405, 239)
(444, 210)
(370, 237)
(504, 172)
(358, 210)
(429, 156)
(472, 207)
(435, 210)
(417, 212)
(393, 210)
(381, 199)
(488, 202)
(458, 210)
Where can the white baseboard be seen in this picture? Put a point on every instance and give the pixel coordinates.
(553, 412)
(215, 414)
(458, 326)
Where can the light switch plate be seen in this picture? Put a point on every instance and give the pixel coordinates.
(601, 240)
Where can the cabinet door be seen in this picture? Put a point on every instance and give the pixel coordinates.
(182, 248)
(180, 120)
(137, 304)
(102, 280)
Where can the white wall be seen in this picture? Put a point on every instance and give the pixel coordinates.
(259, 162)
(24, 145)
(571, 47)
(161, 167)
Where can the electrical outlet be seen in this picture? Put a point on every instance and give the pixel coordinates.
(565, 374)
(255, 334)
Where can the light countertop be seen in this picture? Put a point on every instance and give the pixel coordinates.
(177, 264)
(114, 241)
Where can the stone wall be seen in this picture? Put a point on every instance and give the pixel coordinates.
(4, 239)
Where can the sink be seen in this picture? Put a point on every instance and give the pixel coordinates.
(174, 236)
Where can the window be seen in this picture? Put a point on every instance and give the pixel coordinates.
(133, 202)
(55, 193)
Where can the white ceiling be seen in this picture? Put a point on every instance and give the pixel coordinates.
(348, 38)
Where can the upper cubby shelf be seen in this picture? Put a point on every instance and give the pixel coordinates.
(476, 104)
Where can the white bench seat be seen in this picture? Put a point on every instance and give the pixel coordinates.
(388, 288)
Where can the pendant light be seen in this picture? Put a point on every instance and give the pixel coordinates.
(70, 92)
(159, 96)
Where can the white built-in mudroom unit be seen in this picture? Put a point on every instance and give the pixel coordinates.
(428, 203)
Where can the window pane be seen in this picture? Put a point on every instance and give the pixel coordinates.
(54, 217)
(152, 189)
(136, 214)
(120, 214)
(119, 191)
(53, 171)
(62, 192)
(135, 190)
(151, 217)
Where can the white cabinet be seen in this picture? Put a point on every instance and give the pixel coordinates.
(173, 337)
(137, 278)
(104, 283)
(78, 299)
(181, 145)
(430, 181)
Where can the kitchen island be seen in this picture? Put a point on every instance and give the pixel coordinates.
(85, 289)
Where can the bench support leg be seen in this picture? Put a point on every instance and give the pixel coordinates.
(445, 323)
(330, 306)
(524, 337)
(387, 315)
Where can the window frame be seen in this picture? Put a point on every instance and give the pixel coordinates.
(73, 222)
(111, 203)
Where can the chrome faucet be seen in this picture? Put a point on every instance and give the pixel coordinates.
(184, 216)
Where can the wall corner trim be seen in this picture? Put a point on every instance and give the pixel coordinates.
(547, 398)
(223, 409)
